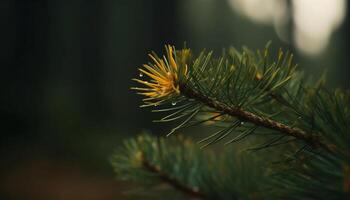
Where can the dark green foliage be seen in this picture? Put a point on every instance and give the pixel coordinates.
(210, 175)
(323, 176)
(249, 95)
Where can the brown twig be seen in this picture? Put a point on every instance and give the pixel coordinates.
(193, 192)
(311, 139)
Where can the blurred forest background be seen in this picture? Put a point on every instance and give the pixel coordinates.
(66, 69)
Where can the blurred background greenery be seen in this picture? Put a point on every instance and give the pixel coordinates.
(66, 69)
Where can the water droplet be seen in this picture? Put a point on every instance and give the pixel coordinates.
(141, 74)
(173, 103)
(242, 123)
(299, 117)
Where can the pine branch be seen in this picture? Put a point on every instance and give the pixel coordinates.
(193, 192)
(224, 93)
(311, 139)
(179, 163)
(244, 86)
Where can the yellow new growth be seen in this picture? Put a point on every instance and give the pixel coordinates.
(163, 73)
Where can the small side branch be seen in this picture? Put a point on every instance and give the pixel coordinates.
(193, 192)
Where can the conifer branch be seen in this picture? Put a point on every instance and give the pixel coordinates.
(309, 138)
(193, 192)
(234, 88)
(239, 80)
(195, 173)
